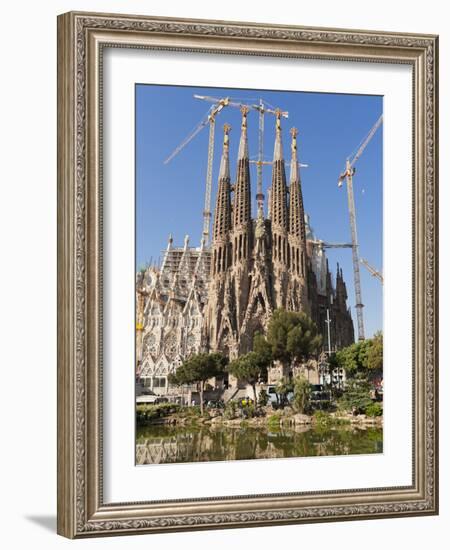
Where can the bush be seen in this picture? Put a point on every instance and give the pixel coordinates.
(356, 396)
(230, 410)
(273, 421)
(321, 418)
(263, 398)
(148, 412)
(302, 394)
(249, 410)
(374, 409)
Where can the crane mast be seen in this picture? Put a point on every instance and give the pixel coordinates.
(355, 251)
(208, 186)
(347, 175)
(210, 119)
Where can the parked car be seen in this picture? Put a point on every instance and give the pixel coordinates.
(319, 395)
(275, 399)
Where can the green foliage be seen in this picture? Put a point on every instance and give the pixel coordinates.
(374, 409)
(251, 367)
(357, 394)
(302, 394)
(375, 354)
(366, 355)
(146, 412)
(322, 418)
(283, 387)
(249, 410)
(292, 336)
(230, 411)
(199, 368)
(262, 347)
(273, 422)
(263, 398)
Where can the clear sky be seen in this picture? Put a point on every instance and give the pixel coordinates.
(170, 198)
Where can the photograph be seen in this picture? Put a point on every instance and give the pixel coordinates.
(259, 274)
(247, 273)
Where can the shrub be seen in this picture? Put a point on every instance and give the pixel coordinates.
(273, 421)
(230, 410)
(374, 409)
(322, 418)
(263, 398)
(356, 396)
(302, 392)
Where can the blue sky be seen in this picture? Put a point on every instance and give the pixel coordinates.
(169, 198)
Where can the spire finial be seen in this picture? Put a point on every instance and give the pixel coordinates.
(243, 143)
(278, 150)
(278, 113)
(244, 111)
(225, 163)
(226, 133)
(294, 163)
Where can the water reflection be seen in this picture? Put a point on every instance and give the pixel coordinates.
(168, 444)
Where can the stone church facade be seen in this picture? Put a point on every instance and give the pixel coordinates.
(216, 298)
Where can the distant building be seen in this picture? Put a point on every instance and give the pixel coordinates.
(216, 298)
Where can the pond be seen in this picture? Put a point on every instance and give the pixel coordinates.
(169, 444)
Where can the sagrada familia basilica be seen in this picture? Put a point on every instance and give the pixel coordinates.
(215, 298)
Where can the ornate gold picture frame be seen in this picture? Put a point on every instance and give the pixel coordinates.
(82, 40)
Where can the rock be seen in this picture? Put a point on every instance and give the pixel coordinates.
(301, 419)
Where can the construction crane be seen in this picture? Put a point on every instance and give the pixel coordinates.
(211, 120)
(323, 244)
(218, 105)
(262, 108)
(347, 175)
(374, 272)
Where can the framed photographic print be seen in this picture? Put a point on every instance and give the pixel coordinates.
(247, 283)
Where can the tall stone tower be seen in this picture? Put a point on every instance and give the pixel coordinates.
(297, 299)
(279, 220)
(220, 320)
(216, 298)
(242, 231)
(258, 265)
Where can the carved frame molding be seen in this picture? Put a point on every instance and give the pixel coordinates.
(81, 39)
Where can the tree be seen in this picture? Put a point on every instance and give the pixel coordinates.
(365, 356)
(262, 347)
(375, 354)
(302, 393)
(199, 368)
(283, 387)
(357, 394)
(251, 367)
(293, 337)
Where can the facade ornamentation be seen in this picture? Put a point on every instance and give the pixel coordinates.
(217, 298)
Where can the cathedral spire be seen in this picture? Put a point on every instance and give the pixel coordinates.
(242, 206)
(278, 206)
(222, 218)
(296, 211)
